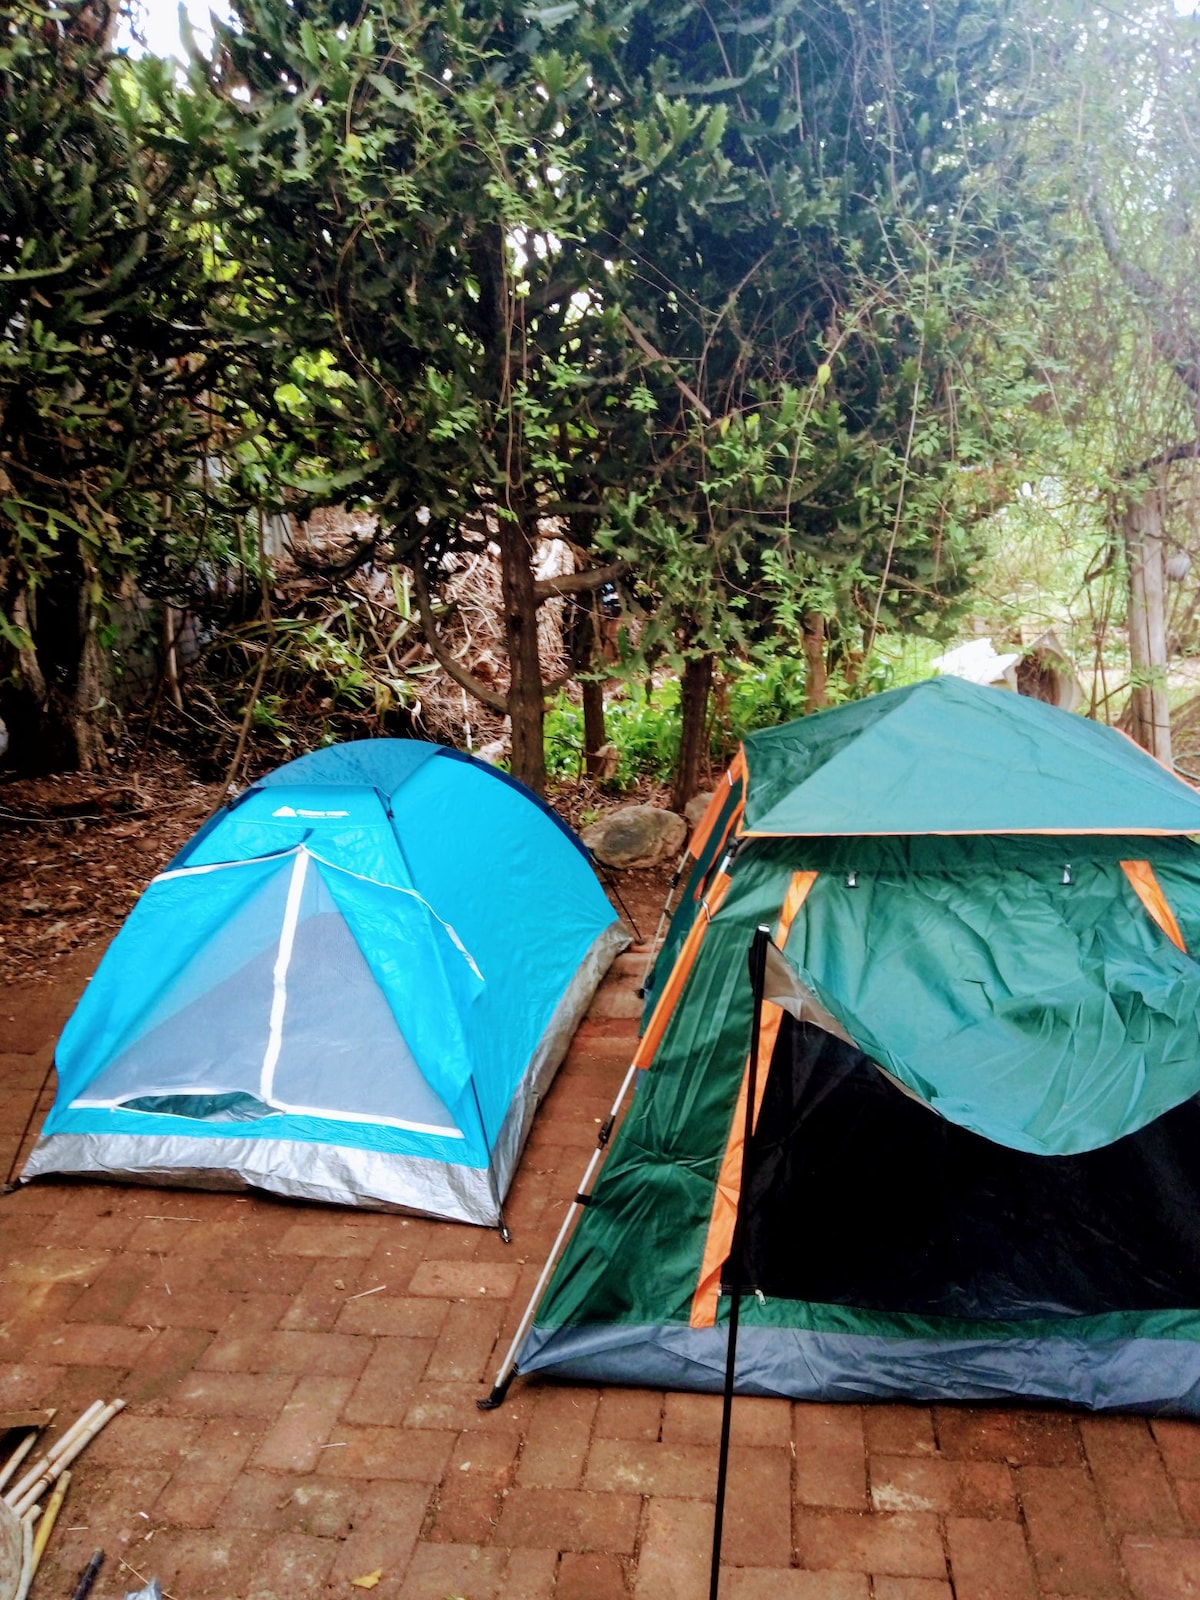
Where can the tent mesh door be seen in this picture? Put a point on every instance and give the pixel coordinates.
(859, 1195)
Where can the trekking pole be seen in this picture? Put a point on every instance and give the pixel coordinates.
(10, 1186)
(758, 969)
(582, 1197)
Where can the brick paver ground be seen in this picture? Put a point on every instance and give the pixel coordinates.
(302, 1387)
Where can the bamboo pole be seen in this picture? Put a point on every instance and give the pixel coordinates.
(18, 1455)
(46, 1526)
(26, 1577)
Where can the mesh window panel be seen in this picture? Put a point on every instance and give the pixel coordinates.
(342, 1049)
(212, 1043)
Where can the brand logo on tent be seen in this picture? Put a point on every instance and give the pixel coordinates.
(287, 811)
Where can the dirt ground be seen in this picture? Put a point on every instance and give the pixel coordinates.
(301, 1381)
(76, 851)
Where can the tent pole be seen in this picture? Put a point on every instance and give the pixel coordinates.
(652, 952)
(508, 1366)
(758, 967)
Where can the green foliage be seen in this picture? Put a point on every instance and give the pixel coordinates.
(106, 359)
(819, 407)
(716, 288)
(594, 263)
(643, 728)
(331, 670)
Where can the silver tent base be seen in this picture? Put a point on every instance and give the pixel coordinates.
(340, 1174)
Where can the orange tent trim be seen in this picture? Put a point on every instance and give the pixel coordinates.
(729, 1180)
(1149, 891)
(680, 972)
(735, 771)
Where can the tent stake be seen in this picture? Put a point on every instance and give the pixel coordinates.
(758, 967)
(509, 1365)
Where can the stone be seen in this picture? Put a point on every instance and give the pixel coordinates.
(696, 807)
(636, 836)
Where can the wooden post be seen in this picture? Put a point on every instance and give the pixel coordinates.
(1142, 527)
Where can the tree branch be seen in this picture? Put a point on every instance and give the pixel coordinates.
(580, 582)
(454, 669)
(1177, 346)
(648, 350)
(1188, 451)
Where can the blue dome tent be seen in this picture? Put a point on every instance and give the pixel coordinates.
(354, 984)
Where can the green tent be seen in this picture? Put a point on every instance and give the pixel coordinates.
(975, 1165)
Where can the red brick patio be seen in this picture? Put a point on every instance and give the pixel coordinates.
(288, 1431)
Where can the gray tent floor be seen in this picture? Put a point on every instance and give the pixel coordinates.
(302, 1385)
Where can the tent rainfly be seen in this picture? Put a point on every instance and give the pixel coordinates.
(974, 1171)
(354, 984)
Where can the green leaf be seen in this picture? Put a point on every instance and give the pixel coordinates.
(551, 16)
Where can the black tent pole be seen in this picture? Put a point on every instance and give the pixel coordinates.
(758, 968)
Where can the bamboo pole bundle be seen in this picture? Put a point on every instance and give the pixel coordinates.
(55, 1461)
(56, 1449)
(23, 1501)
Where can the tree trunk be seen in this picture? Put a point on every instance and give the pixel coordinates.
(90, 711)
(816, 683)
(526, 696)
(586, 658)
(59, 714)
(1151, 717)
(595, 734)
(696, 683)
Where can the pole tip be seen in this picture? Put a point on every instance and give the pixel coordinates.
(495, 1400)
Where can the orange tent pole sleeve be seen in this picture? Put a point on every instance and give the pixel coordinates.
(728, 1192)
(736, 770)
(735, 817)
(684, 963)
(1149, 891)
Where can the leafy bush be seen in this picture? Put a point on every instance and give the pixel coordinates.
(644, 728)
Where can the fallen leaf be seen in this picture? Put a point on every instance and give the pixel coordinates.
(368, 1579)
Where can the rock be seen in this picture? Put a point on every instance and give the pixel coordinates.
(696, 807)
(636, 836)
(605, 763)
(493, 753)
